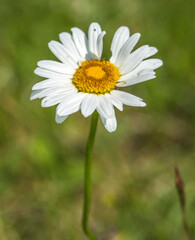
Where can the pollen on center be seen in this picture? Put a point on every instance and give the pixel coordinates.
(95, 72)
(96, 76)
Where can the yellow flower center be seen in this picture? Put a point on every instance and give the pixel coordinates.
(95, 76)
(95, 72)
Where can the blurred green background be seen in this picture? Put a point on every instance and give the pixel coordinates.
(41, 163)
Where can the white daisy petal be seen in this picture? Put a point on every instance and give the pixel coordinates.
(71, 104)
(63, 54)
(51, 83)
(55, 91)
(116, 102)
(109, 123)
(93, 33)
(89, 104)
(134, 59)
(120, 37)
(151, 52)
(58, 50)
(81, 41)
(52, 100)
(60, 119)
(151, 64)
(100, 44)
(128, 99)
(49, 74)
(67, 40)
(147, 76)
(35, 94)
(56, 67)
(105, 108)
(126, 49)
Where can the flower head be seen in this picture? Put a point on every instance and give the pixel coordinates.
(83, 80)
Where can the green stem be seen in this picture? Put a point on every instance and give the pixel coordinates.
(87, 177)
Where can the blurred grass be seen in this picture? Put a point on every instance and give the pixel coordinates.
(41, 163)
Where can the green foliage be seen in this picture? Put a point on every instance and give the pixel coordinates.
(41, 163)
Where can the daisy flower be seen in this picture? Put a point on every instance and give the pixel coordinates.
(83, 80)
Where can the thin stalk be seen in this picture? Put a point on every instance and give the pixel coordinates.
(182, 197)
(87, 177)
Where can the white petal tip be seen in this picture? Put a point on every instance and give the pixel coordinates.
(94, 24)
(85, 115)
(59, 122)
(34, 94)
(36, 70)
(111, 124)
(110, 130)
(50, 44)
(61, 34)
(32, 97)
(124, 28)
(142, 104)
(60, 119)
(44, 103)
(160, 63)
(138, 35)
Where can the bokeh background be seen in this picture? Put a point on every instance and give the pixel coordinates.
(41, 163)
